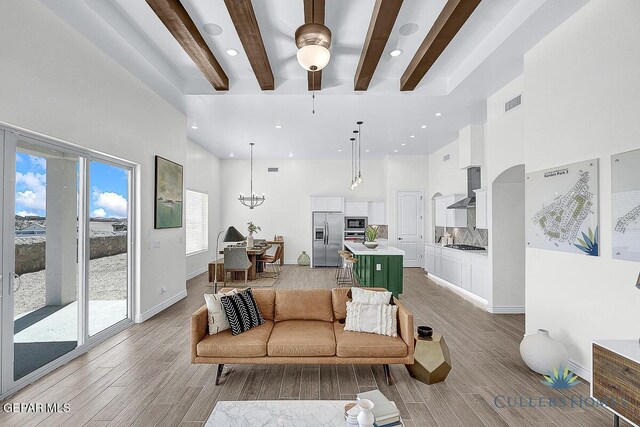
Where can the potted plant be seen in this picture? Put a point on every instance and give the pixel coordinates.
(371, 234)
(251, 228)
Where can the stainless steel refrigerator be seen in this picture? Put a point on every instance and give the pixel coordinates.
(327, 238)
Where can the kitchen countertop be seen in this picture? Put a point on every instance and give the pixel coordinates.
(382, 249)
(484, 253)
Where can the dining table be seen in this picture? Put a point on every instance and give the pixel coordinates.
(254, 254)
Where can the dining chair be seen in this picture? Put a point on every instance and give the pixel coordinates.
(236, 259)
(274, 261)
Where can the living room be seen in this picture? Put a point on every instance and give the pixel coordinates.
(124, 149)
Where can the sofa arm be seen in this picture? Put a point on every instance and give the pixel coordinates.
(405, 327)
(199, 325)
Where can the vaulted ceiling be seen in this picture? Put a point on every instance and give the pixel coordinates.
(454, 53)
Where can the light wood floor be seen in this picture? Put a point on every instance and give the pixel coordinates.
(143, 376)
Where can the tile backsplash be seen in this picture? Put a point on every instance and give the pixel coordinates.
(468, 235)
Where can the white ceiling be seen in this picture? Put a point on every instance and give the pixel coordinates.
(485, 55)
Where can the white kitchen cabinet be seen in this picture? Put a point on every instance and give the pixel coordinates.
(452, 266)
(481, 209)
(479, 279)
(466, 270)
(456, 217)
(354, 208)
(441, 211)
(327, 204)
(376, 213)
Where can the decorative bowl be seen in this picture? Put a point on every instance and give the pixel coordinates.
(425, 331)
(371, 245)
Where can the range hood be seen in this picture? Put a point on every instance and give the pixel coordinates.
(473, 183)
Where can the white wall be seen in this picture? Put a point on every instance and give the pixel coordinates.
(287, 209)
(582, 102)
(54, 81)
(202, 173)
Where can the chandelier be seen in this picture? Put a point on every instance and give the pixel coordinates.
(253, 200)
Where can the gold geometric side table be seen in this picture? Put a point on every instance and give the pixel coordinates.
(432, 362)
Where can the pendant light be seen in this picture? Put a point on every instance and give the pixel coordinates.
(253, 199)
(354, 184)
(359, 179)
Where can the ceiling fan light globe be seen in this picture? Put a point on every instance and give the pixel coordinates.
(313, 55)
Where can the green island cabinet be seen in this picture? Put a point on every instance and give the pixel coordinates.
(380, 271)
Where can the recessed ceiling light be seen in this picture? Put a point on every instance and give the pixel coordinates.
(339, 151)
(367, 150)
(423, 126)
(278, 126)
(232, 52)
(290, 154)
(438, 114)
(408, 29)
(194, 126)
(231, 154)
(396, 52)
(212, 29)
(412, 136)
(403, 144)
(395, 151)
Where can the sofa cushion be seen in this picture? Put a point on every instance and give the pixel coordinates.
(252, 343)
(266, 300)
(361, 344)
(242, 311)
(303, 304)
(339, 298)
(300, 338)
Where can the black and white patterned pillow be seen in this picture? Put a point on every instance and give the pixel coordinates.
(242, 311)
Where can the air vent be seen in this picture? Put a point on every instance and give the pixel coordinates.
(512, 103)
(446, 157)
(272, 170)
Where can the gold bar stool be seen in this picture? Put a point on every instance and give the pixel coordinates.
(343, 274)
(351, 261)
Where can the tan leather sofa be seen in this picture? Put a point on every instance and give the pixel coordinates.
(302, 326)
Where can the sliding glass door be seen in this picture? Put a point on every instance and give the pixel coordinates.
(66, 253)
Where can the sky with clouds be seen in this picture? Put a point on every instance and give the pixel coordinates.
(109, 192)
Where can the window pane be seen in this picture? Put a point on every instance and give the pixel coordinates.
(46, 256)
(197, 221)
(108, 265)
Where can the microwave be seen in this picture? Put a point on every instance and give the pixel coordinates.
(352, 223)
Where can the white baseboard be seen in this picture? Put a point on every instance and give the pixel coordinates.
(473, 298)
(580, 370)
(160, 307)
(197, 272)
(506, 309)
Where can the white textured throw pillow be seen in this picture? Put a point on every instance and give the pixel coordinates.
(362, 296)
(381, 319)
(218, 321)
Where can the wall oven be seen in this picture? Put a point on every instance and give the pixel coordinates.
(355, 223)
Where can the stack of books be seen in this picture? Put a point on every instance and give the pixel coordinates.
(385, 411)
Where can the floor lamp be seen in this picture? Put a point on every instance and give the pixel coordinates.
(231, 235)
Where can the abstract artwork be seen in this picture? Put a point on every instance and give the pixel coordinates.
(625, 205)
(562, 208)
(169, 195)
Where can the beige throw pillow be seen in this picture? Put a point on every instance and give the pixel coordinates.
(218, 321)
(363, 296)
(381, 319)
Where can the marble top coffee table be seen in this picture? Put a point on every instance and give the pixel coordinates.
(281, 413)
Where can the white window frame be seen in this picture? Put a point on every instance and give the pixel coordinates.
(205, 226)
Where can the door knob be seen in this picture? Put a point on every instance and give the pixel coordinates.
(399, 238)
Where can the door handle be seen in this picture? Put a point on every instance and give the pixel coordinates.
(399, 238)
(326, 233)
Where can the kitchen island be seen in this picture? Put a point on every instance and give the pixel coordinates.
(378, 268)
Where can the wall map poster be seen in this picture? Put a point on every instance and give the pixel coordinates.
(625, 205)
(562, 208)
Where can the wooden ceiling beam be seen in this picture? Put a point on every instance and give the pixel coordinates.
(385, 13)
(314, 13)
(174, 16)
(453, 16)
(244, 19)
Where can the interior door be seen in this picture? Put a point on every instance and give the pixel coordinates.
(409, 210)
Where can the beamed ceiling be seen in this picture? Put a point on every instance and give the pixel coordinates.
(455, 53)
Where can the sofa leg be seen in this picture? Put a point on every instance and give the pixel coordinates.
(387, 374)
(219, 373)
